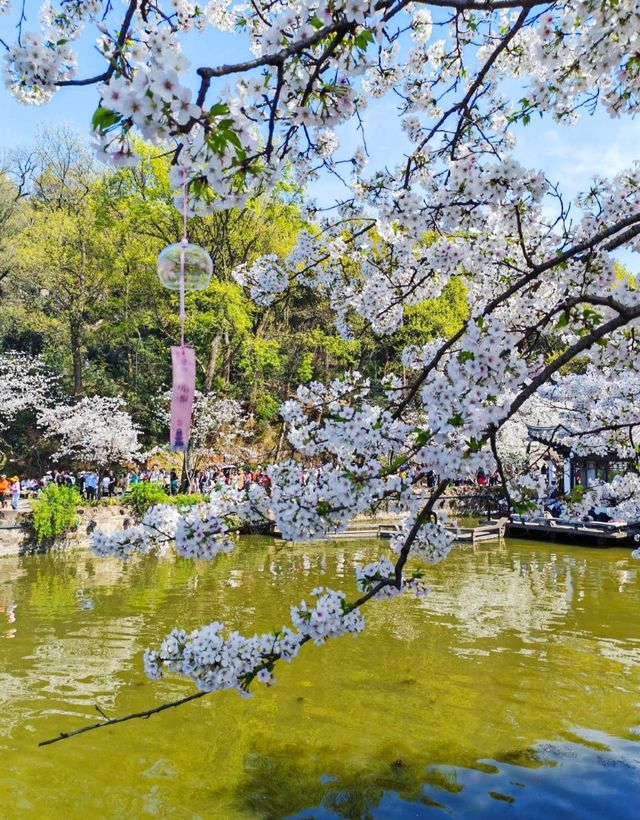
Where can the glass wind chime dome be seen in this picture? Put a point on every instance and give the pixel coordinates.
(198, 267)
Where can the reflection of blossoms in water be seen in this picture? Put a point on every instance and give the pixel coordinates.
(526, 599)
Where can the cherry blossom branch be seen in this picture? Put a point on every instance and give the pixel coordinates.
(121, 40)
(630, 222)
(421, 518)
(570, 353)
(279, 57)
(147, 713)
(464, 102)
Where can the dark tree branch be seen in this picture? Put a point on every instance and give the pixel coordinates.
(494, 449)
(133, 716)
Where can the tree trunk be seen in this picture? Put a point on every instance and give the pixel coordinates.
(213, 360)
(227, 359)
(185, 476)
(276, 455)
(261, 323)
(77, 355)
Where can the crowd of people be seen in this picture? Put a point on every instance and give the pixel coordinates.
(93, 485)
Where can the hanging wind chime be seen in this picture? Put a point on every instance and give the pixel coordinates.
(183, 267)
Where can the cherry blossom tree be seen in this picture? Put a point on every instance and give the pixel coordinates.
(217, 425)
(590, 413)
(26, 386)
(593, 412)
(219, 428)
(26, 383)
(97, 429)
(540, 273)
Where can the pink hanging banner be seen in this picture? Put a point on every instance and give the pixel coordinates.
(184, 386)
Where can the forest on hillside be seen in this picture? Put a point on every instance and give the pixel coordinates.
(79, 289)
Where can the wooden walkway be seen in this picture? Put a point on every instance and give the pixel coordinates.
(589, 533)
(491, 531)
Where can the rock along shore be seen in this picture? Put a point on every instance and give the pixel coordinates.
(16, 535)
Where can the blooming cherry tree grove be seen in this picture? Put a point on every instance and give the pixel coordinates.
(539, 273)
(96, 429)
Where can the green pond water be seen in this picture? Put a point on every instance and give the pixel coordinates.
(512, 690)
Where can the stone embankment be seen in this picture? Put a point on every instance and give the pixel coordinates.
(17, 538)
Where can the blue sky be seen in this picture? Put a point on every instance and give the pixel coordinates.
(570, 156)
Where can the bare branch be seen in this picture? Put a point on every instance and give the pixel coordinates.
(133, 716)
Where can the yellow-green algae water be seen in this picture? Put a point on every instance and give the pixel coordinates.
(512, 690)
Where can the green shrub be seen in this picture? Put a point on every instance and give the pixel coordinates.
(142, 496)
(55, 512)
(267, 407)
(187, 499)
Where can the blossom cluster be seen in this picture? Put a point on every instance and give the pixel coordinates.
(329, 618)
(201, 531)
(202, 534)
(432, 543)
(265, 279)
(383, 571)
(156, 532)
(528, 491)
(618, 499)
(34, 67)
(594, 412)
(215, 662)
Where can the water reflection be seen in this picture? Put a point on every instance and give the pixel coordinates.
(513, 686)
